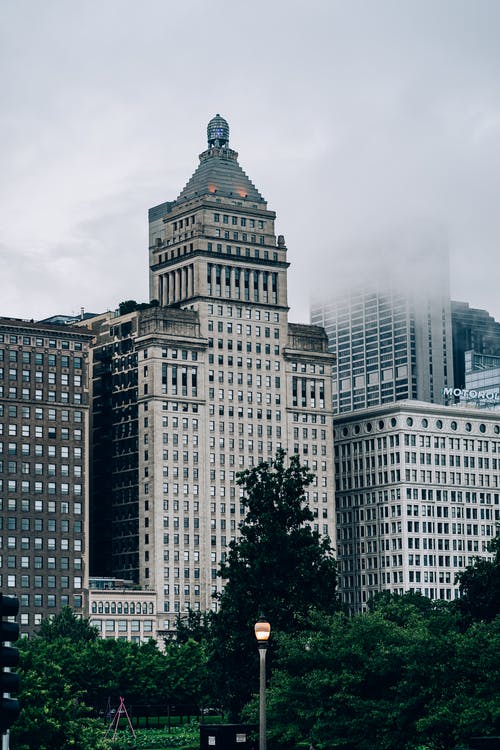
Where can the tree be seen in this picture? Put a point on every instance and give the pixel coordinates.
(130, 305)
(402, 676)
(193, 626)
(279, 566)
(53, 715)
(479, 586)
(68, 674)
(185, 677)
(65, 624)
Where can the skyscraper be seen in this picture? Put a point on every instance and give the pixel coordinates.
(416, 480)
(209, 380)
(390, 333)
(473, 330)
(43, 467)
(388, 346)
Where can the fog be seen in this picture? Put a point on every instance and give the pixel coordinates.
(372, 129)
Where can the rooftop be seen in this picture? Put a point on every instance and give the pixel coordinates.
(219, 172)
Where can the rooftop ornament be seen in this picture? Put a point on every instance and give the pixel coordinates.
(218, 132)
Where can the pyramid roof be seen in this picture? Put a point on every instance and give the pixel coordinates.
(218, 171)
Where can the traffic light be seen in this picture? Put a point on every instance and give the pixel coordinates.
(9, 657)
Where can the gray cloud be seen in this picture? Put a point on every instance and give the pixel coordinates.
(358, 121)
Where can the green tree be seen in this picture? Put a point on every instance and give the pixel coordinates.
(127, 306)
(184, 673)
(68, 673)
(479, 586)
(65, 624)
(193, 626)
(400, 677)
(279, 566)
(130, 305)
(53, 714)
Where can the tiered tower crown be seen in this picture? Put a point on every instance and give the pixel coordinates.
(218, 172)
(216, 240)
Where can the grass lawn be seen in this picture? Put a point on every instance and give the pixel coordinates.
(186, 737)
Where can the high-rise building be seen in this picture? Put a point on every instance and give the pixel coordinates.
(417, 497)
(389, 345)
(388, 320)
(473, 330)
(43, 467)
(209, 380)
(417, 486)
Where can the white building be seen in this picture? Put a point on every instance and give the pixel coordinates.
(117, 609)
(417, 497)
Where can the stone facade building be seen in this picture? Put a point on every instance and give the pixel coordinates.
(118, 609)
(208, 381)
(417, 497)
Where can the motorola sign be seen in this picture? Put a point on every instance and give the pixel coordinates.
(472, 395)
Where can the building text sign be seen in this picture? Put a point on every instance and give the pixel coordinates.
(472, 395)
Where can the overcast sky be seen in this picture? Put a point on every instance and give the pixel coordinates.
(359, 122)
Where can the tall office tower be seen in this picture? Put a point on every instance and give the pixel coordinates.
(43, 467)
(391, 333)
(473, 330)
(208, 381)
(417, 497)
(388, 346)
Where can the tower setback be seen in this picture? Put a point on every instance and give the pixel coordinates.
(211, 379)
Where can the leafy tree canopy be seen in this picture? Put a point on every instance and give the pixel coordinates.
(130, 305)
(66, 624)
(385, 679)
(195, 625)
(279, 567)
(67, 672)
(479, 586)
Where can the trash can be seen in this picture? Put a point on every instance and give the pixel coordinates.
(228, 736)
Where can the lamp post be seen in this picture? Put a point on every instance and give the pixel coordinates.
(262, 631)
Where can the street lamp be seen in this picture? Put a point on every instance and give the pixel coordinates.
(262, 631)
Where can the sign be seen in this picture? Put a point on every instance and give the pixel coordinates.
(211, 740)
(472, 395)
(241, 738)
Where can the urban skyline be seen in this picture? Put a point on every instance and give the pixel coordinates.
(212, 364)
(387, 124)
